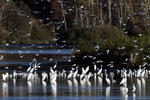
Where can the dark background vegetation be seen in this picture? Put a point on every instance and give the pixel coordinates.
(97, 26)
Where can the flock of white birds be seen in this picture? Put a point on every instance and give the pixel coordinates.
(83, 76)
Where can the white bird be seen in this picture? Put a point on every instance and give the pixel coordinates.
(29, 67)
(30, 76)
(82, 76)
(86, 70)
(139, 71)
(53, 78)
(75, 73)
(14, 74)
(51, 70)
(107, 80)
(100, 71)
(143, 72)
(32, 70)
(97, 47)
(134, 88)
(88, 76)
(95, 67)
(107, 51)
(70, 75)
(55, 65)
(44, 76)
(5, 76)
(124, 81)
(1, 57)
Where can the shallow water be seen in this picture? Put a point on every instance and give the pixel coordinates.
(37, 51)
(94, 89)
(22, 55)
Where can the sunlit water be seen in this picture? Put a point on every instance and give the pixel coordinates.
(94, 89)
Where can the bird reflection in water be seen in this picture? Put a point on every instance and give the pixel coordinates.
(89, 87)
(134, 96)
(54, 88)
(75, 83)
(14, 86)
(139, 86)
(124, 92)
(29, 87)
(100, 83)
(143, 86)
(70, 86)
(108, 92)
(83, 83)
(5, 89)
(44, 87)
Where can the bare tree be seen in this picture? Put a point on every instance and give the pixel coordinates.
(3, 6)
(64, 17)
(109, 10)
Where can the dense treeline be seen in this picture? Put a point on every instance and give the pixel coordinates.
(110, 30)
(18, 25)
(60, 15)
(131, 15)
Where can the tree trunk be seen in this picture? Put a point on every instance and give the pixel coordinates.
(64, 17)
(109, 11)
(101, 13)
(76, 11)
(2, 9)
(81, 17)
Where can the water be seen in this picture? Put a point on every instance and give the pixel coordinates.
(38, 45)
(22, 55)
(37, 51)
(96, 88)
(74, 89)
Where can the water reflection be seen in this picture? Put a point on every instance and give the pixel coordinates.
(29, 87)
(124, 92)
(5, 89)
(143, 86)
(70, 86)
(93, 87)
(139, 86)
(54, 89)
(75, 82)
(14, 86)
(44, 87)
(89, 87)
(134, 96)
(83, 84)
(108, 92)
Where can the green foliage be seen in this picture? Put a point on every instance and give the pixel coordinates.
(3, 34)
(41, 33)
(107, 37)
(17, 27)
